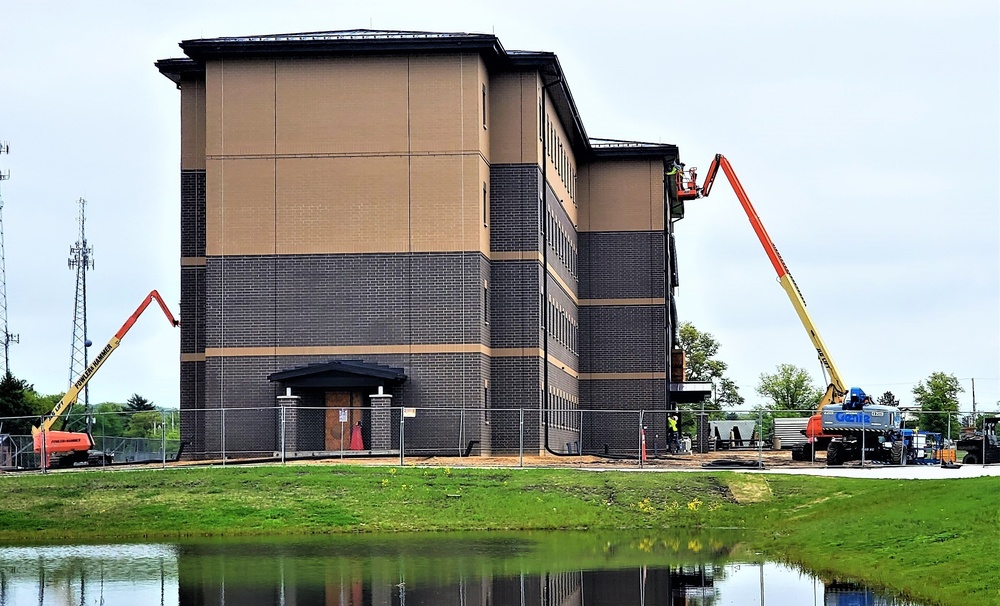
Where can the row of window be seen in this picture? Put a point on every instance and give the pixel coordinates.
(560, 242)
(564, 411)
(558, 153)
(562, 327)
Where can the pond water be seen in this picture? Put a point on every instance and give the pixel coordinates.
(481, 569)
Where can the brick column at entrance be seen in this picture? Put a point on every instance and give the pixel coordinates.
(290, 406)
(381, 420)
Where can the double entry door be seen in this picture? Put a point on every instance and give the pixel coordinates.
(343, 412)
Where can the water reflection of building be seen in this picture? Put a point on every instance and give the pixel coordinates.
(388, 586)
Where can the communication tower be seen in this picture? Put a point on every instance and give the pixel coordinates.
(80, 259)
(6, 336)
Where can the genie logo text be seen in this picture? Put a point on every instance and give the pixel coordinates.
(853, 417)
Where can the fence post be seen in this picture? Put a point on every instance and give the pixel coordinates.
(642, 437)
(282, 410)
(402, 430)
(984, 440)
(461, 430)
(163, 439)
(760, 439)
(44, 461)
(222, 445)
(520, 439)
(863, 435)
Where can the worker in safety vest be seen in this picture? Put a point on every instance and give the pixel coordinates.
(672, 437)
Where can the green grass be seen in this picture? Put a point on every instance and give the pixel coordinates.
(935, 540)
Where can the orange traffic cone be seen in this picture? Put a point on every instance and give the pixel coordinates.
(643, 454)
(357, 442)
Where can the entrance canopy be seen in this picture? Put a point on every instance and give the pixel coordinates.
(340, 374)
(690, 392)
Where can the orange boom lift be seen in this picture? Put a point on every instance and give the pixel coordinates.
(66, 448)
(688, 189)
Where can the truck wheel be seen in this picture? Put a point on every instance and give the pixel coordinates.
(835, 454)
(896, 453)
(800, 452)
(971, 459)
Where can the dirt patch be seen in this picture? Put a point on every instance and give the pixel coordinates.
(748, 489)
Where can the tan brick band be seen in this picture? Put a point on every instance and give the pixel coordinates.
(618, 376)
(372, 350)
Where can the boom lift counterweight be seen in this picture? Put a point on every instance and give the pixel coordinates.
(70, 447)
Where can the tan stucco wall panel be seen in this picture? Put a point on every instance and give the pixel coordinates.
(239, 217)
(506, 128)
(621, 195)
(192, 125)
(340, 106)
(436, 103)
(342, 205)
(240, 107)
(445, 202)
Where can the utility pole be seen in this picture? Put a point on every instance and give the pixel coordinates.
(80, 260)
(6, 336)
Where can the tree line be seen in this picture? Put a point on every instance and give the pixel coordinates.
(135, 418)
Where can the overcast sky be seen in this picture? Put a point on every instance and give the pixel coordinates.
(865, 132)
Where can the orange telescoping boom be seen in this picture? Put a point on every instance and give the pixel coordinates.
(73, 447)
(687, 189)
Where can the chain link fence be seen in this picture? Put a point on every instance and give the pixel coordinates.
(684, 438)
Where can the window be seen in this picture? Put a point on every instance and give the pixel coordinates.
(486, 206)
(486, 302)
(484, 106)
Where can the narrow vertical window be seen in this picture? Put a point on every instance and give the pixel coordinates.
(484, 106)
(486, 206)
(486, 304)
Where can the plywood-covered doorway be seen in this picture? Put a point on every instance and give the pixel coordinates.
(343, 411)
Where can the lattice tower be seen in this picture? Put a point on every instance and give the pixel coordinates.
(5, 336)
(80, 259)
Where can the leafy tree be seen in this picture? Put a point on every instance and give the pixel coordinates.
(937, 395)
(888, 399)
(14, 403)
(108, 420)
(700, 349)
(138, 403)
(790, 388)
(42, 405)
(144, 424)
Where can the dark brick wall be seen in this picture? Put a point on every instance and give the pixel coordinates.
(619, 431)
(192, 403)
(622, 338)
(363, 299)
(514, 195)
(192, 213)
(446, 382)
(621, 265)
(515, 384)
(515, 304)
(192, 309)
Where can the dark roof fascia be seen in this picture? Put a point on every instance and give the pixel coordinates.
(611, 148)
(557, 88)
(180, 69)
(344, 366)
(260, 46)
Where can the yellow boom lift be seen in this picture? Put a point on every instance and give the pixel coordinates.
(66, 448)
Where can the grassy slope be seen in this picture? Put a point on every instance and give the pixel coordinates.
(935, 539)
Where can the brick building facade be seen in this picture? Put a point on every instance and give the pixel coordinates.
(423, 213)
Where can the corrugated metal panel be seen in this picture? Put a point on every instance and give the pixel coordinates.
(790, 431)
